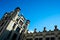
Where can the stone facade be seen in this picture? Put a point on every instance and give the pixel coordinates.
(45, 35)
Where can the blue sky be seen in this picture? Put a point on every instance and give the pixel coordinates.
(41, 13)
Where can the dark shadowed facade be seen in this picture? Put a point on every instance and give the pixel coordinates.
(14, 27)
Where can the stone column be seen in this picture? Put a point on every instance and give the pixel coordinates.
(11, 35)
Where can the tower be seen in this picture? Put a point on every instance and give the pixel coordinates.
(13, 25)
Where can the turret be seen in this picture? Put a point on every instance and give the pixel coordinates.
(25, 26)
(15, 13)
(27, 22)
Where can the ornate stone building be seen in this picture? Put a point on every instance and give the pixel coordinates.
(14, 27)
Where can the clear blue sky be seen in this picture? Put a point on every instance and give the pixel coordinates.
(41, 13)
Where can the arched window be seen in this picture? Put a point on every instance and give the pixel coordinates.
(29, 39)
(52, 38)
(36, 38)
(40, 38)
(47, 38)
(21, 23)
(17, 29)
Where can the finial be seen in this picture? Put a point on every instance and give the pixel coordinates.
(35, 30)
(39, 31)
(55, 28)
(44, 29)
(17, 9)
(49, 30)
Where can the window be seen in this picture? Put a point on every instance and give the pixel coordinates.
(24, 26)
(52, 33)
(14, 25)
(40, 38)
(52, 38)
(18, 29)
(47, 38)
(36, 38)
(21, 23)
(17, 20)
(14, 36)
(29, 39)
(58, 38)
